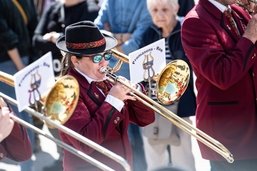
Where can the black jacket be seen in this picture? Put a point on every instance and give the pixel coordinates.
(187, 103)
(14, 33)
(185, 6)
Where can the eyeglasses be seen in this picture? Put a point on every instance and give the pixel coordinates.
(98, 57)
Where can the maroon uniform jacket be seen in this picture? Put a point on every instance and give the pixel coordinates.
(102, 123)
(17, 145)
(225, 66)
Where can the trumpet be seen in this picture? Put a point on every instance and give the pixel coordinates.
(179, 80)
(249, 5)
(57, 111)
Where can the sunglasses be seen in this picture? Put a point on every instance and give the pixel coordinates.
(98, 57)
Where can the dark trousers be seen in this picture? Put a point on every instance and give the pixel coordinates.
(237, 165)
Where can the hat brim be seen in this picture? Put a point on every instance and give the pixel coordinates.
(111, 42)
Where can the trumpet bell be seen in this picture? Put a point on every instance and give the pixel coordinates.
(172, 82)
(62, 99)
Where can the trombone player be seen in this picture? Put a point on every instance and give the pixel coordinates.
(219, 38)
(104, 110)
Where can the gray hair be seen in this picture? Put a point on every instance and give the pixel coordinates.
(171, 2)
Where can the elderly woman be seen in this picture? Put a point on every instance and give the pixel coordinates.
(165, 25)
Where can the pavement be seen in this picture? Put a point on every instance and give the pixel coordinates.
(48, 155)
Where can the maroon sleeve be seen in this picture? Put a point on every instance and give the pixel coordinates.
(17, 145)
(139, 113)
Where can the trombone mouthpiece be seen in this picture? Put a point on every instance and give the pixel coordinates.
(103, 69)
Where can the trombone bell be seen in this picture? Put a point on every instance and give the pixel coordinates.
(172, 82)
(62, 99)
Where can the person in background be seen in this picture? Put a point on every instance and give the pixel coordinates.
(185, 6)
(18, 20)
(170, 145)
(42, 6)
(126, 20)
(14, 140)
(103, 112)
(52, 25)
(219, 38)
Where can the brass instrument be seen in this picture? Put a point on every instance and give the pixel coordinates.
(58, 106)
(248, 5)
(176, 73)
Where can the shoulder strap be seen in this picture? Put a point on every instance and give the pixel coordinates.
(22, 12)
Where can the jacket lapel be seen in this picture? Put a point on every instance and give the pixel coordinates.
(95, 94)
(225, 23)
(218, 15)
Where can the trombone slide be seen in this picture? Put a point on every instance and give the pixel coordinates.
(69, 148)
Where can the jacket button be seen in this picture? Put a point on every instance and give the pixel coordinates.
(118, 118)
(254, 55)
(253, 74)
(115, 121)
(1, 155)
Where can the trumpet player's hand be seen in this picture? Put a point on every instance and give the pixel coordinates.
(121, 92)
(6, 123)
(251, 29)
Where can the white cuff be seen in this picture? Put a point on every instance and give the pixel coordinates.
(115, 102)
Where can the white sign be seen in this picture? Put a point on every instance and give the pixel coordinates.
(147, 61)
(34, 81)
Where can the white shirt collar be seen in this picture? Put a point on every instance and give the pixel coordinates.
(220, 6)
(87, 77)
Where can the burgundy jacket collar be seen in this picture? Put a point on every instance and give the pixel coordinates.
(92, 91)
(216, 13)
(81, 79)
(240, 16)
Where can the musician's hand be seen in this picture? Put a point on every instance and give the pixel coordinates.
(126, 37)
(122, 37)
(51, 37)
(6, 123)
(251, 29)
(121, 92)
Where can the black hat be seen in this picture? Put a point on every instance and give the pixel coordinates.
(84, 38)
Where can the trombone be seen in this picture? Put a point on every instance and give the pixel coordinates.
(55, 118)
(178, 72)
